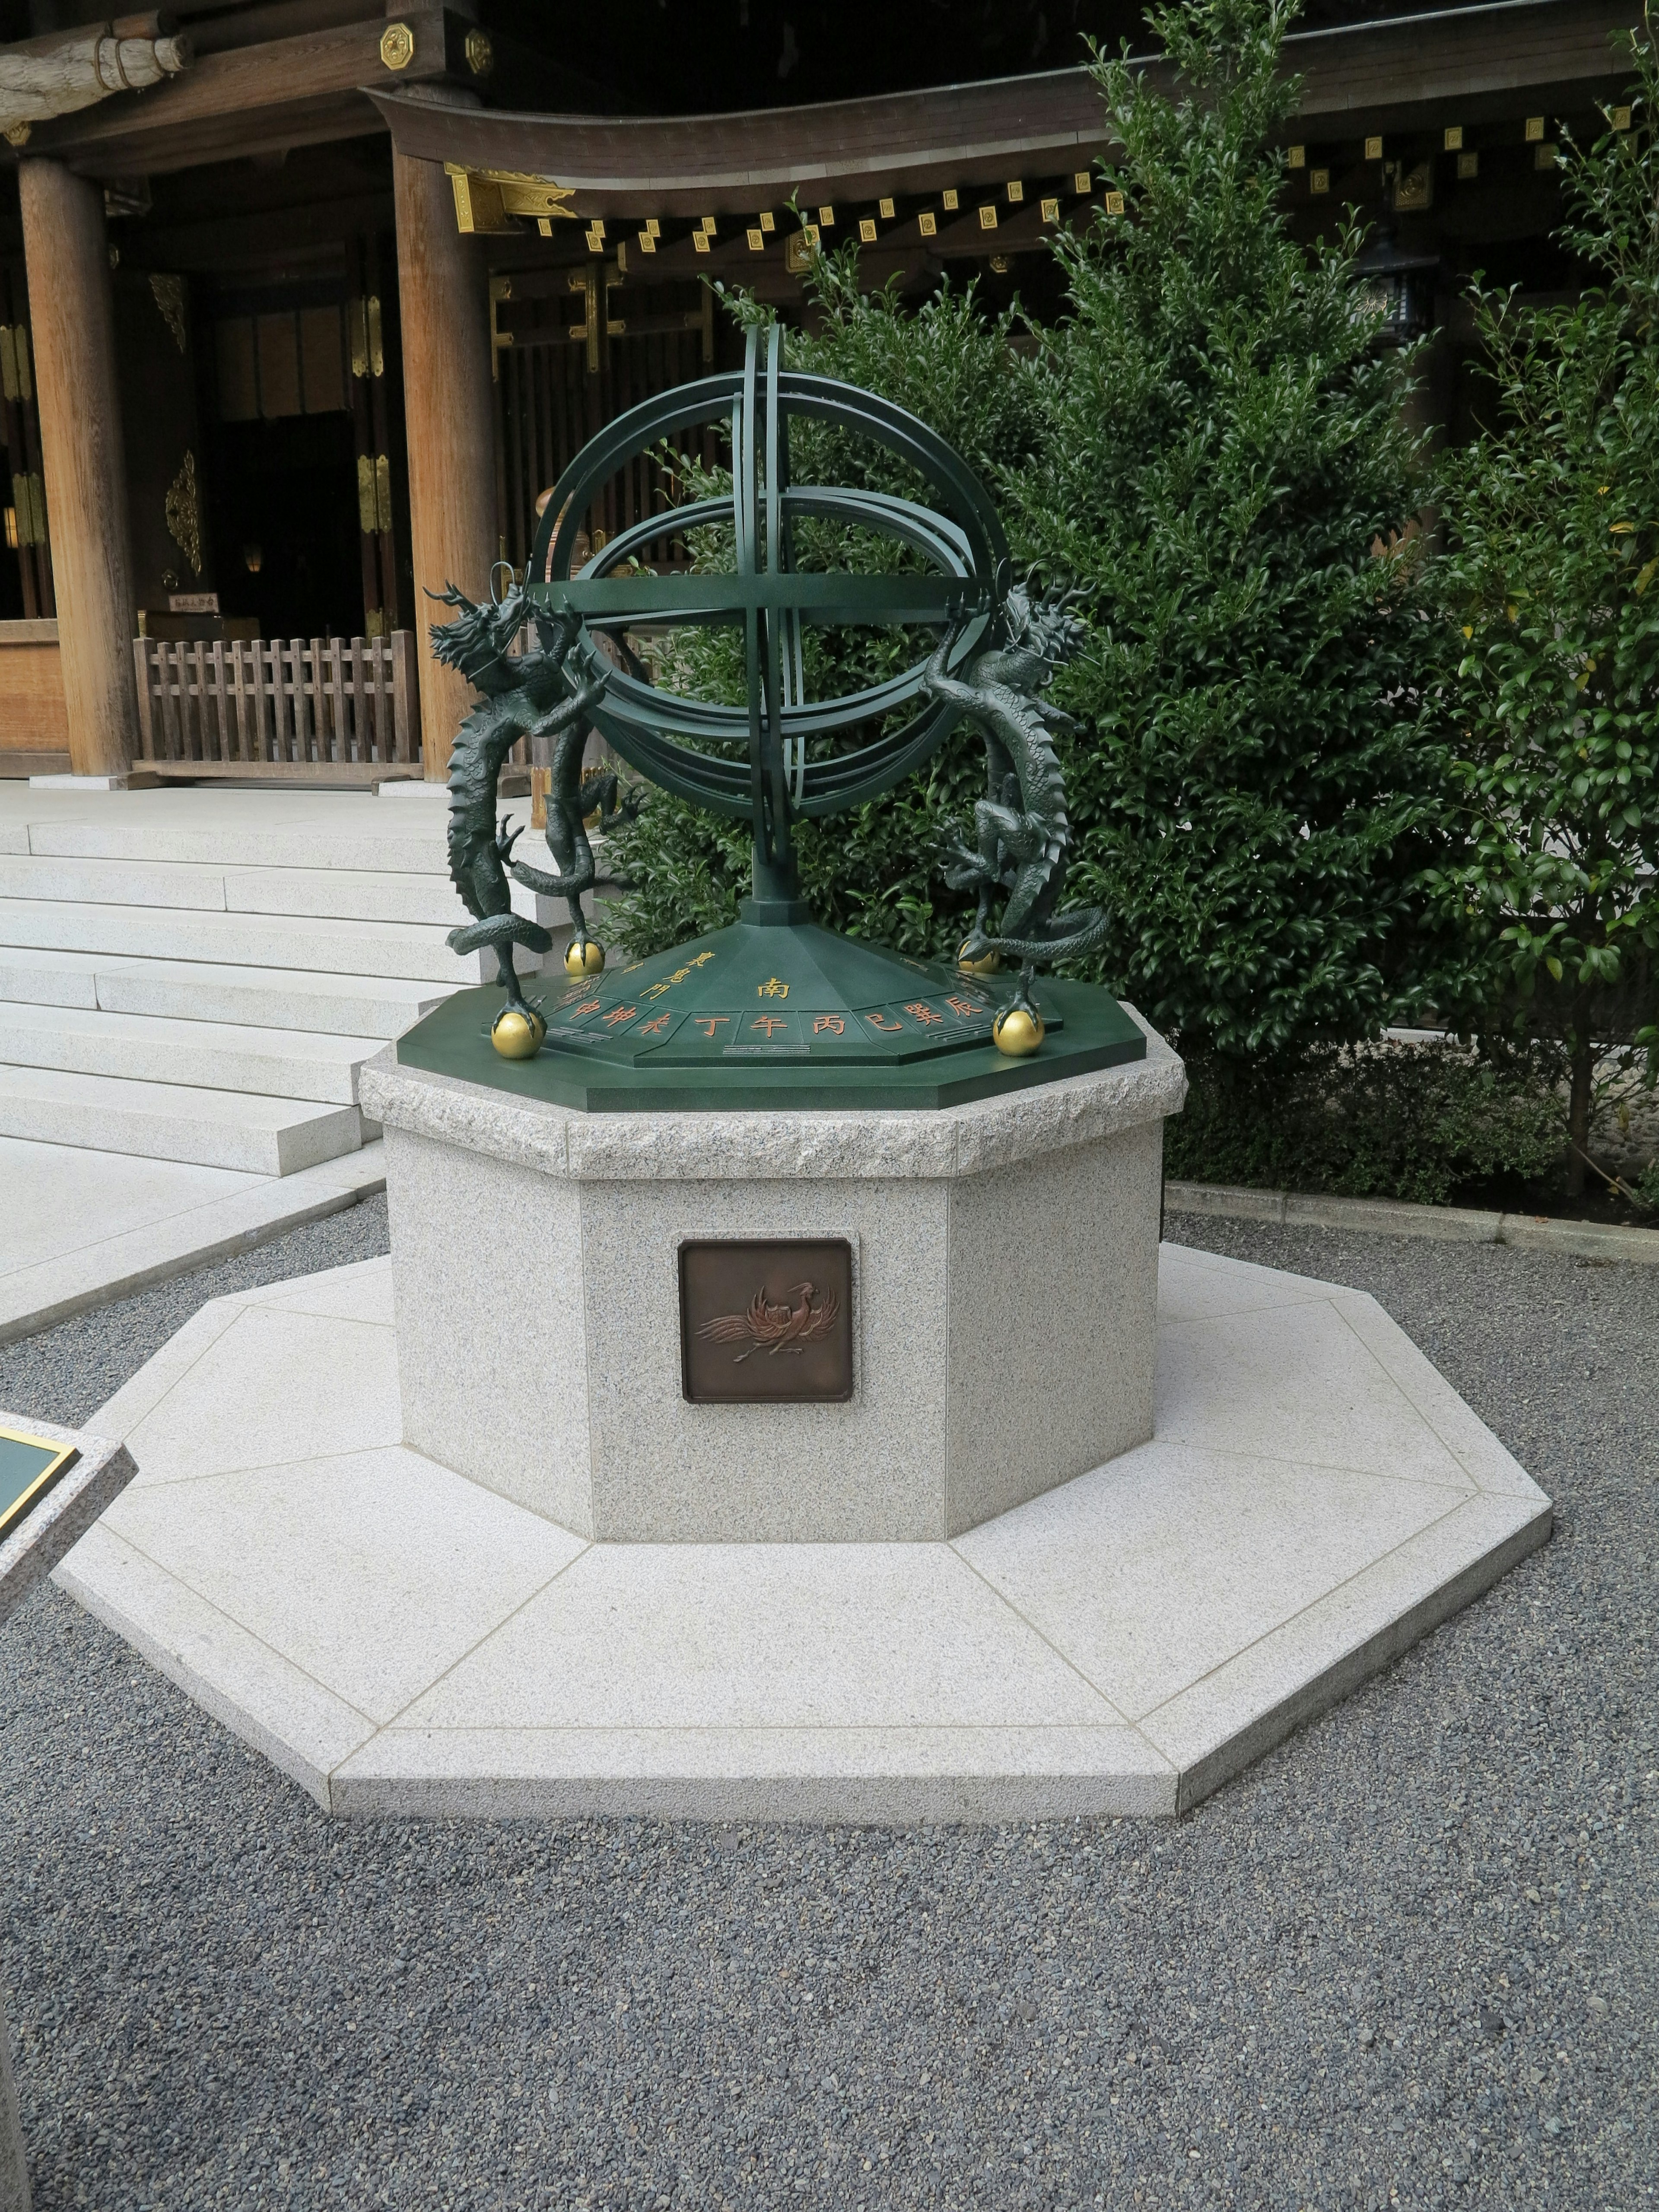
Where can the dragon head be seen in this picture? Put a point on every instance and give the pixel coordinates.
(480, 637)
(1038, 631)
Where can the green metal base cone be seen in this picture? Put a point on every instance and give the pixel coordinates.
(764, 1014)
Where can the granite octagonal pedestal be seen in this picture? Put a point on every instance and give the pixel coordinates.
(1005, 1267)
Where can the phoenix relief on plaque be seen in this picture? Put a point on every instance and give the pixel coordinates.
(766, 1320)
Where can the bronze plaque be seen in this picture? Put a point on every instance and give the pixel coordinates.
(767, 1319)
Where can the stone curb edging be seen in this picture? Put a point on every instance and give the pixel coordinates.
(1459, 1225)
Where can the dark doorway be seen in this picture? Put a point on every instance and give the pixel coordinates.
(285, 525)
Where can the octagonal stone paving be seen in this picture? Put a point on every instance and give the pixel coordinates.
(400, 1639)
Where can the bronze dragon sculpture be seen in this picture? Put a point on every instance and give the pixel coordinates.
(524, 695)
(1021, 835)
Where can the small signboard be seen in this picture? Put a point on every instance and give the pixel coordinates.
(766, 1320)
(28, 1467)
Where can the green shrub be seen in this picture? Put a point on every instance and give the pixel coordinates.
(1552, 632)
(1257, 783)
(1415, 1121)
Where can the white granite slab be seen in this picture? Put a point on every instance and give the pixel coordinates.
(401, 1640)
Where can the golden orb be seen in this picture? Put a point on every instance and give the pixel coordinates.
(1016, 1032)
(584, 959)
(988, 965)
(516, 1036)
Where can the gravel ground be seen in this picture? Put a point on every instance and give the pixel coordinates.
(1409, 1960)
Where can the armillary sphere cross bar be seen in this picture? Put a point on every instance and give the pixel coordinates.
(687, 745)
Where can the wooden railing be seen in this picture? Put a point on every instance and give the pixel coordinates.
(296, 710)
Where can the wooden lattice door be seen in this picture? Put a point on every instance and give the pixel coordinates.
(573, 348)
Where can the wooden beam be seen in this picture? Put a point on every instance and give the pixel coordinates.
(72, 318)
(1356, 79)
(249, 81)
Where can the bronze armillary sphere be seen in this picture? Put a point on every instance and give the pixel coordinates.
(773, 1006)
(963, 586)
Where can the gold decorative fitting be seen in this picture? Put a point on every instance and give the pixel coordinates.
(950, 199)
(1413, 189)
(596, 228)
(653, 228)
(884, 209)
(927, 223)
(1318, 181)
(184, 513)
(867, 230)
(700, 241)
(15, 379)
(826, 218)
(1114, 203)
(768, 220)
(987, 218)
(1453, 139)
(374, 623)
(1373, 149)
(480, 54)
(594, 239)
(1534, 129)
(383, 492)
(1468, 165)
(707, 226)
(1296, 157)
(358, 336)
(757, 240)
(397, 45)
(368, 515)
(28, 526)
(797, 251)
(376, 349)
(1619, 117)
(11, 543)
(1545, 156)
(1051, 210)
(1016, 192)
(647, 244)
(488, 201)
(17, 134)
(501, 288)
(1001, 264)
(168, 293)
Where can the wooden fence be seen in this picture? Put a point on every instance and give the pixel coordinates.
(320, 710)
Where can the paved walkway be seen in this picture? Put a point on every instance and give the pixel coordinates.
(1412, 1959)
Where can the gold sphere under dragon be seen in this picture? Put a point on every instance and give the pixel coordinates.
(988, 964)
(517, 1036)
(1016, 1032)
(584, 959)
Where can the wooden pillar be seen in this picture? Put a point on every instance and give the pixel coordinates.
(449, 413)
(72, 322)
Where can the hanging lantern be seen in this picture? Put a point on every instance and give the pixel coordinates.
(1400, 285)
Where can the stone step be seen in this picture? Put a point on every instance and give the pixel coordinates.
(336, 893)
(112, 883)
(409, 850)
(413, 951)
(259, 998)
(221, 838)
(203, 1055)
(174, 1122)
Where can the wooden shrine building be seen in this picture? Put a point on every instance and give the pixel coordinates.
(303, 305)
